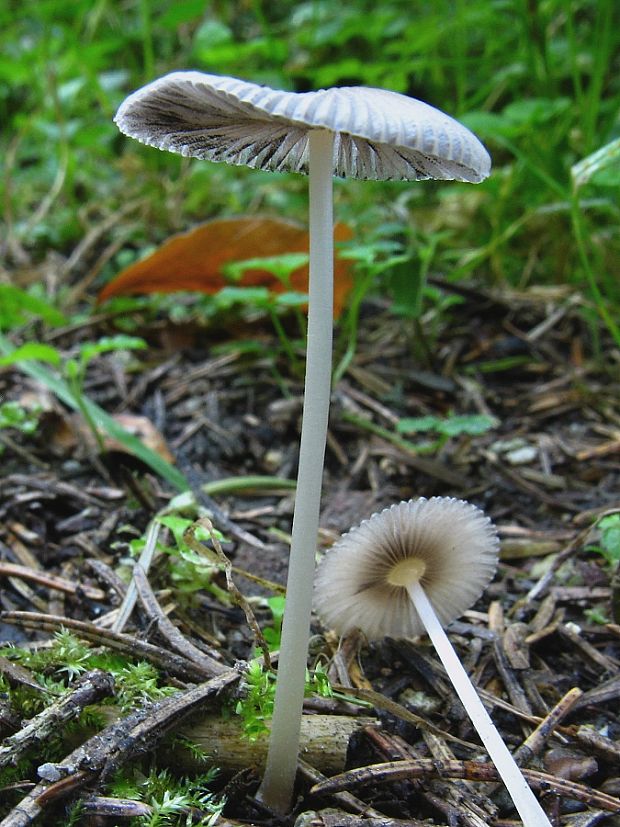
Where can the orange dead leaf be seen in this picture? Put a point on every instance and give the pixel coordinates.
(195, 260)
(143, 428)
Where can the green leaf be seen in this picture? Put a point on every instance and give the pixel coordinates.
(472, 424)
(282, 266)
(228, 297)
(610, 536)
(179, 525)
(418, 424)
(277, 604)
(102, 419)
(16, 305)
(291, 299)
(602, 166)
(89, 350)
(32, 351)
(179, 13)
(13, 415)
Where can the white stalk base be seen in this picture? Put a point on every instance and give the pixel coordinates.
(522, 796)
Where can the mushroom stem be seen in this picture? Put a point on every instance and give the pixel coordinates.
(277, 786)
(523, 798)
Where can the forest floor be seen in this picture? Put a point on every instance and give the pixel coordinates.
(545, 635)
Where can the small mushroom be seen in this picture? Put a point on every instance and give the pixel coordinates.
(412, 568)
(357, 132)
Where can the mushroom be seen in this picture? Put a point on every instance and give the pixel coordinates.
(357, 132)
(411, 568)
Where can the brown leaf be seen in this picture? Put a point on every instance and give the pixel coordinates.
(195, 260)
(142, 428)
(69, 433)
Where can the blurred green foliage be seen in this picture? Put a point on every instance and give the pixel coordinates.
(538, 80)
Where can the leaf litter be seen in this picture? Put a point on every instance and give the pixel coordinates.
(502, 404)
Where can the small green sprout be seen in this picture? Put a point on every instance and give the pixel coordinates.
(609, 544)
(281, 267)
(18, 306)
(191, 569)
(13, 415)
(453, 425)
(174, 802)
(139, 683)
(272, 633)
(73, 369)
(256, 707)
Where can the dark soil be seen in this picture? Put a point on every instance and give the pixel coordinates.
(547, 625)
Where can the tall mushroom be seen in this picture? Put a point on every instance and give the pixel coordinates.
(357, 132)
(412, 568)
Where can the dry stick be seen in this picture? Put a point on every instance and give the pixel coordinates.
(606, 663)
(222, 561)
(604, 693)
(534, 743)
(380, 701)
(51, 581)
(144, 561)
(515, 691)
(107, 575)
(346, 800)
(168, 661)
(324, 742)
(168, 630)
(473, 807)
(18, 675)
(449, 800)
(548, 576)
(47, 484)
(594, 741)
(471, 770)
(24, 453)
(105, 752)
(101, 805)
(334, 818)
(222, 519)
(90, 688)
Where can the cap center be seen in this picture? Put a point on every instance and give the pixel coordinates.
(406, 572)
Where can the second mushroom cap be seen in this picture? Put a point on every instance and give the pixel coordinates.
(448, 543)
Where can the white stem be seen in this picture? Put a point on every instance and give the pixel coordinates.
(276, 789)
(523, 798)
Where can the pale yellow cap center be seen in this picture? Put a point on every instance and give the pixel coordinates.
(406, 572)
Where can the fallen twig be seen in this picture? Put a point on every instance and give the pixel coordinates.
(218, 557)
(105, 752)
(168, 630)
(534, 743)
(470, 770)
(91, 687)
(175, 664)
(50, 581)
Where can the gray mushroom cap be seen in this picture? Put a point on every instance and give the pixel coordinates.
(378, 134)
(457, 547)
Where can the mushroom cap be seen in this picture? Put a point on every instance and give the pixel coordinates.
(455, 541)
(378, 134)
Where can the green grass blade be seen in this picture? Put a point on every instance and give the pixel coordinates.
(101, 419)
